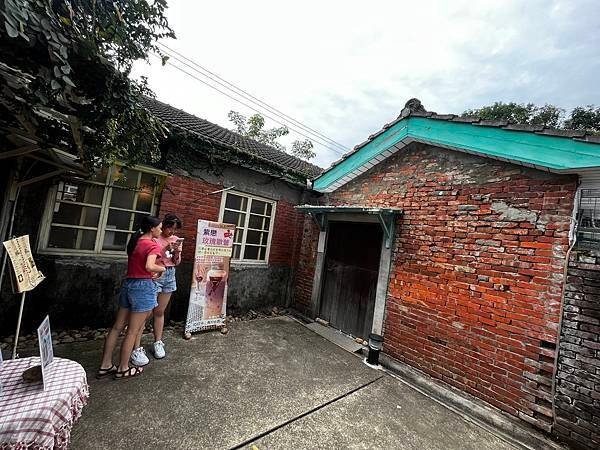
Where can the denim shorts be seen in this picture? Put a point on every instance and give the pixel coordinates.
(138, 295)
(167, 284)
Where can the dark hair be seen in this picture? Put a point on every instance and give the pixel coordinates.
(171, 220)
(148, 222)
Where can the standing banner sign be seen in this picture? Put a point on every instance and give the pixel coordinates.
(25, 277)
(208, 294)
(46, 349)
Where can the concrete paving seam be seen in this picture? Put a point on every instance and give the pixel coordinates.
(307, 413)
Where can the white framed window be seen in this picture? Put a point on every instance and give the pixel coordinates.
(97, 215)
(253, 217)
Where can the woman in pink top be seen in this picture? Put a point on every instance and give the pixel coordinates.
(137, 299)
(171, 257)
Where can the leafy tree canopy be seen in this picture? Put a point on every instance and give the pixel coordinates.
(253, 127)
(65, 65)
(580, 118)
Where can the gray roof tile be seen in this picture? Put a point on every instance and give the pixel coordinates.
(203, 128)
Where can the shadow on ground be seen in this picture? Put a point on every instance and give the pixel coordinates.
(269, 383)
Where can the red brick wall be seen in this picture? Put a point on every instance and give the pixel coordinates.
(476, 282)
(305, 270)
(189, 199)
(287, 234)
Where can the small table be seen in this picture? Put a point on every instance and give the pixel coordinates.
(31, 417)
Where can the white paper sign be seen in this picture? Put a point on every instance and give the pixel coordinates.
(46, 349)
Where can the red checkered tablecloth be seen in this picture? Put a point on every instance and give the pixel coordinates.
(33, 418)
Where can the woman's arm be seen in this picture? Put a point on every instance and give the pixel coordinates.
(151, 265)
(177, 255)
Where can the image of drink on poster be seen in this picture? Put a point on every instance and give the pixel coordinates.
(46, 349)
(208, 293)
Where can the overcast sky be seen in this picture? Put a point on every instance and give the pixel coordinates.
(345, 68)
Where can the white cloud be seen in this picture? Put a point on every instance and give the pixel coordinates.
(346, 68)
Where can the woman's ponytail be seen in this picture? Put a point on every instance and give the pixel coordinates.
(148, 222)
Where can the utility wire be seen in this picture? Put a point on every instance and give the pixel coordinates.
(335, 150)
(246, 95)
(241, 92)
(311, 137)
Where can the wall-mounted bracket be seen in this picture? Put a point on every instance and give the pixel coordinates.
(387, 221)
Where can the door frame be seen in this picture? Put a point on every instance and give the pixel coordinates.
(385, 260)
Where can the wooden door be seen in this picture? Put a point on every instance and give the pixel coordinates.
(350, 278)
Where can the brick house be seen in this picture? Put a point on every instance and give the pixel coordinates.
(451, 237)
(79, 226)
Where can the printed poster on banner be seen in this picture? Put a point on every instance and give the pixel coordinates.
(26, 276)
(208, 294)
(46, 349)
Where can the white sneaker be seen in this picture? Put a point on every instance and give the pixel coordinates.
(139, 358)
(159, 350)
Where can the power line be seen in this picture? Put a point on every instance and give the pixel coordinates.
(246, 95)
(248, 106)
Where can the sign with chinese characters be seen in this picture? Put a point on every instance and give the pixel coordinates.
(46, 349)
(26, 276)
(208, 294)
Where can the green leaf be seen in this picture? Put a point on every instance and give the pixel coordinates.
(67, 80)
(55, 85)
(12, 31)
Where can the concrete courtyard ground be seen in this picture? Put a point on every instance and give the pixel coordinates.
(268, 384)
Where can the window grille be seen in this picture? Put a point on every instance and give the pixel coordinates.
(99, 214)
(253, 217)
(588, 217)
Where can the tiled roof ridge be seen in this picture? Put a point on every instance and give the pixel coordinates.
(414, 108)
(241, 143)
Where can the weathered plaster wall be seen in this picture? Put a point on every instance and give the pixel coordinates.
(578, 375)
(477, 271)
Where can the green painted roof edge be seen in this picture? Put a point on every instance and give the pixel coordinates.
(551, 152)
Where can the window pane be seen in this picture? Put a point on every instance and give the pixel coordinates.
(118, 219)
(122, 199)
(251, 252)
(263, 253)
(269, 209)
(100, 175)
(144, 202)
(258, 207)
(80, 192)
(76, 215)
(71, 238)
(114, 240)
(258, 222)
(236, 251)
(125, 177)
(239, 234)
(137, 220)
(256, 237)
(236, 202)
(234, 218)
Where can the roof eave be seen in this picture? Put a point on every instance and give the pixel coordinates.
(517, 147)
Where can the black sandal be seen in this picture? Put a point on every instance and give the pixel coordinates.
(106, 372)
(133, 371)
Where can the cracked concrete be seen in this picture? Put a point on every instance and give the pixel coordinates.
(269, 383)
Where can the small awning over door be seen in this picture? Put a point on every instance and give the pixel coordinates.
(386, 216)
